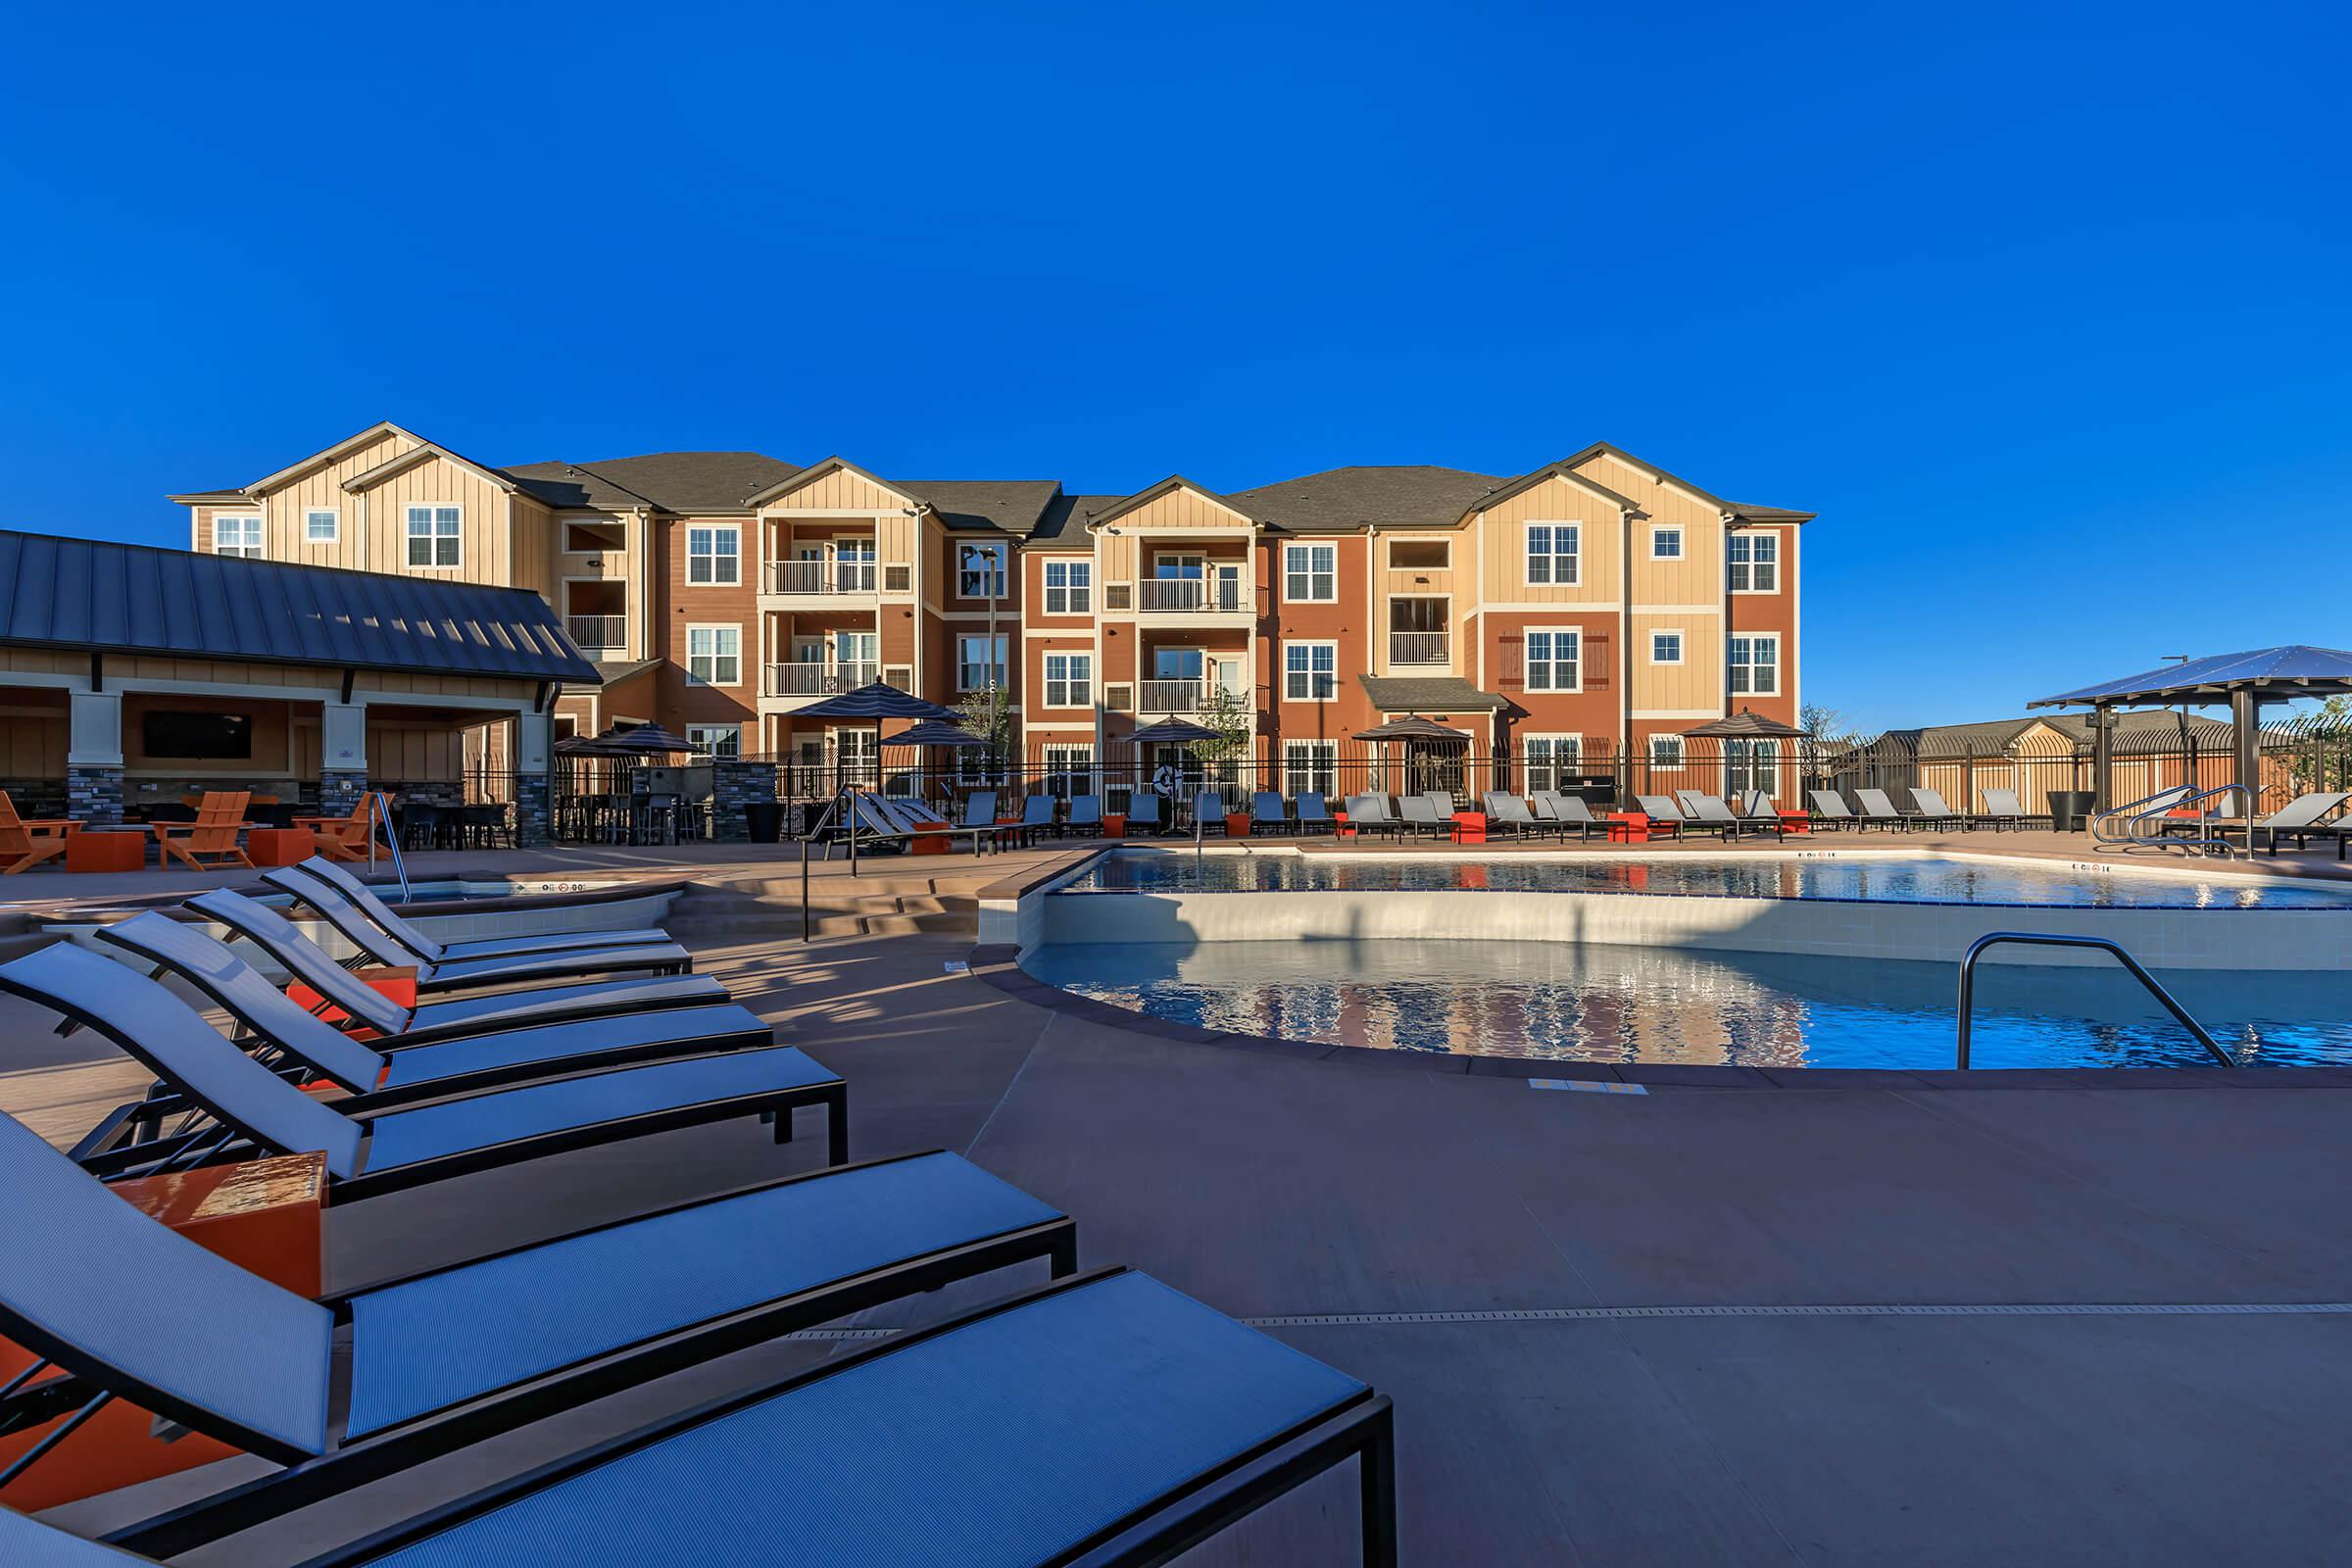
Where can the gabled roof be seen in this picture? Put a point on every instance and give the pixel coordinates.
(1429, 694)
(103, 597)
(1563, 470)
(671, 482)
(1145, 497)
(426, 452)
(1009, 505)
(330, 455)
(785, 483)
(1749, 514)
(1343, 499)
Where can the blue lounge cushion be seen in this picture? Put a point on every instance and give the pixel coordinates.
(508, 1008)
(551, 1043)
(566, 962)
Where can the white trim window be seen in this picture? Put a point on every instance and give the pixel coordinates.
(436, 535)
(1310, 767)
(1551, 762)
(1310, 672)
(1666, 543)
(1753, 561)
(1069, 680)
(979, 665)
(980, 571)
(237, 536)
(1069, 587)
(1552, 553)
(322, 525)
(1554, 659)
(714, 656)
(1070, 768)
(1310, 574)
(715, 740)
(713, 557)
(1666, 752)
(1755, 665)
(1666, 646)
(1751, 764)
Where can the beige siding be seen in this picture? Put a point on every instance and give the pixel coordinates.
(1696, 683)
(1454, 580)
(282, 533)
(483, 554)
(1504, 560)
(1180, 509)
(842, 490)
(1698, 578)
(534, 546)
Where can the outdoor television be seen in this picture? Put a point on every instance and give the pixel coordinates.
(199, 737)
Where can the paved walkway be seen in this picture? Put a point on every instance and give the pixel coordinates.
(1695, 1327)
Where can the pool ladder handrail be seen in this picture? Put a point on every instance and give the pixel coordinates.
(379, 810)
(2157, 809)
(2047, 939)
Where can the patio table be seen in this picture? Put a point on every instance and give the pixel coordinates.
(1627, 827)
(1469, 827)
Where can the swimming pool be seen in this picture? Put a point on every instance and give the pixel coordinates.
(1896, 878)
(1621, 1005)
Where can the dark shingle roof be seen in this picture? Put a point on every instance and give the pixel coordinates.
(1428, 694)
(100, 596)
(1009, 506)
(2146, 730)
(1349, 498)
(1065, 519)
(674, 481)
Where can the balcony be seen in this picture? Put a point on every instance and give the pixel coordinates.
(599, 633)
(1407, 648)
(1192, 596)
(820, 577)
(818, 680)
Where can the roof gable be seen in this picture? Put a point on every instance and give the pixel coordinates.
(1339, 499)
(330, 455)
(1166, 487)
(425, 452)
(774, 494)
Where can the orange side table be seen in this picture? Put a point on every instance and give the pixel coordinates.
(1797, 821)
(279, 846)
(1341, 827)
(1627, 827)
(1237, 824)
(1114, 824)
(265, 1217)
(106, 851)
(396, 981)
(1469, 827)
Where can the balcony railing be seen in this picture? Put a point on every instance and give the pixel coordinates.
(597, 631)
(1207, 595)
(818, 680)
(821, 576)
(1173, 696)
(1418, 648)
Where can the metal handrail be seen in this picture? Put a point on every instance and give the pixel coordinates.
(2043, 939)
(2146, 806)
(379, 809)
(2145, 826)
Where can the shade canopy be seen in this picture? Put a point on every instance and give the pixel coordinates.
(2277, 674)
(935, 732)
(1172, 732)
(1413, 727)
(875, 700)
(1747, 723)
(626, 740)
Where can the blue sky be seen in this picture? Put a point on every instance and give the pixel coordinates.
(2043, 309)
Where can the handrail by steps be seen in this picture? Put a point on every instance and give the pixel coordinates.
(2044, 939)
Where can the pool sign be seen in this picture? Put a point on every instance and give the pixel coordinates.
(1582, 1087)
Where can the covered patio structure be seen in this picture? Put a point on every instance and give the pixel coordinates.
(130, 676)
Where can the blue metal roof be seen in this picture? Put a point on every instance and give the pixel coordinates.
(2286, 672)
(104, 597)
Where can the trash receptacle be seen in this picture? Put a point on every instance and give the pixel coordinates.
(2070, 810)
(765, 820)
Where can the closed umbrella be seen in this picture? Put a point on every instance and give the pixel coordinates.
(1171, 732)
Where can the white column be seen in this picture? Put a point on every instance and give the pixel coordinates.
(343, 738)
(534, 742)
(94, 735)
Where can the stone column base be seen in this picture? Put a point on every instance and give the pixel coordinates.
(531, 806)
(94, 794)
(339, 792)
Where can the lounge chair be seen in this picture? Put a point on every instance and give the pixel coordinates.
(1266, 811)
(1703, 810)
(1664, 815)
(1420, 812)
(396, 1070)
(1879, 811)
(212, 842)
(414, 939)
(1314, 811)
(1507, 811)
(2300, 817)
(368, 1007)
(1086, 815)
(25, 844)
(1146, 812)
(980, 809)
(1566, 812)
(1101, 1418)
(2002, 810)
(342, 838)
(634, 953)
(1370, 814)
(1208, 810)
(1830, 810)
(371, 1149)
(447, 1356)
(1934, 812)
(1039, 816)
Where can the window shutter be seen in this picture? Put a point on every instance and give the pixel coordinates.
(1514, 661)
(1600, 673)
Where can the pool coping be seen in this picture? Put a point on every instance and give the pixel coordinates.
(998, 964)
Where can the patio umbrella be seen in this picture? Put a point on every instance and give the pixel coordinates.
(878, 700)
(937, 733)
(1746, 725)
(1172, 732)
(636, 740)
(1410, 730)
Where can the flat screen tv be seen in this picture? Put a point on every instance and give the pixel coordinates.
(198, 737)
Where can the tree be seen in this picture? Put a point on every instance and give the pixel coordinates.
(1819, 721)
(986, 714)
(1231, 718)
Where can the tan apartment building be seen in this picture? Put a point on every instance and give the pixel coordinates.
(1594, 604)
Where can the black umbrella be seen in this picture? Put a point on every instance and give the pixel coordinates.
(1747, 722)
(936, 732)
(634, 740)
(1172, 732)
(877, 700)
(1410, 728)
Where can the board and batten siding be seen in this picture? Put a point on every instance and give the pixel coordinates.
(1599, 548)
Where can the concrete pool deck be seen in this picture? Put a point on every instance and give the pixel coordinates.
(1706, 1325)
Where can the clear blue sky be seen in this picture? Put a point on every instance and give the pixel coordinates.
(2043, 309)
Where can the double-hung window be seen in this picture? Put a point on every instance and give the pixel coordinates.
(1069, 770)
(1666, 750)
(1551, 762)
(436, 536)
(320, 525)
(714, 656)
(1551, 553)
(1310, 672)
(1552, 661)
(1755, 665)
(236, 536)
(980, 571)
(713, 557)
(715, 740)
(979, 662)
(1069, 680)
(1069, 587)
(1754, 562)
(1310, 574)
(1310, 767)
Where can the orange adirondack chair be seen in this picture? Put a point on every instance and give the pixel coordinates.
(214, 833)
(25, 844)
(341, 838)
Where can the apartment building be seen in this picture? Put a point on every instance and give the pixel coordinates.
(1557, 617)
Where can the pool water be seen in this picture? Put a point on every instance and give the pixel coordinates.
(1619, 1004)
(1908, 880)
